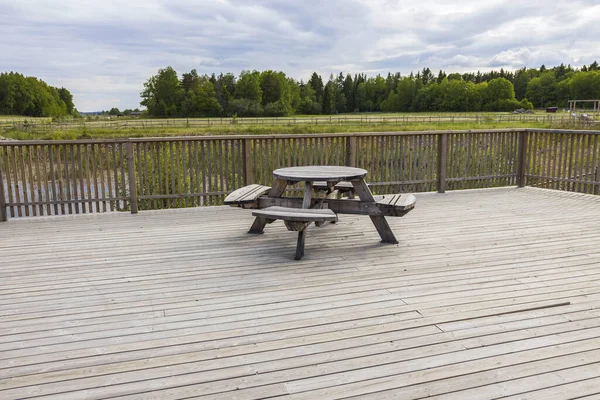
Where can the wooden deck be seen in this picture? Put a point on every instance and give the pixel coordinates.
(490, 293)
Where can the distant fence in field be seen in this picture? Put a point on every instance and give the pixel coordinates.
(90, 176)
(399, 119)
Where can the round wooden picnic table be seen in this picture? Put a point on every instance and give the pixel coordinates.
(331, 175)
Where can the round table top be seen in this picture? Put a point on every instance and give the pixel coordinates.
(320, 173)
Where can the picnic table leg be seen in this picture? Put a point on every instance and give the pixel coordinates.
(258, 226)
(300, 245)
(308, 189)
(383, 228)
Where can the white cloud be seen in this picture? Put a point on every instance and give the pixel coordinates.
(104, 51)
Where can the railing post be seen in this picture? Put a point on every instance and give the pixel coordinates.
(596, 186)
(133, 199)
(351, 151)
(442, 162)
(3, 214)
(248, 178)
(521, 158)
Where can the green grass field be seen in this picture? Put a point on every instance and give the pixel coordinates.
(4, 119)
(98, 128)
(100, 133)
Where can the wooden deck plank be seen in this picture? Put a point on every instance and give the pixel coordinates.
(251, 311)
(584, 389)
(305, 355)
(483, 289)
(412, 295)
(506, 380)
(462, 269)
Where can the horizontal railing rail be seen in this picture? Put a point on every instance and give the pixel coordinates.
(90, 176)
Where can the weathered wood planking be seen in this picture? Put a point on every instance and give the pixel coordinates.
(246, 194)
(319, 172)
(489, 293)
(296, 214)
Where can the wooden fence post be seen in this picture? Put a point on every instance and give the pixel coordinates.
(133, 199)
(521, 159)
(248, 178)
(351, 151)
(442, 162)
(596, 187)
(3, 214)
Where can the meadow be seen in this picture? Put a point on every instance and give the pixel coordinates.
(125, 127)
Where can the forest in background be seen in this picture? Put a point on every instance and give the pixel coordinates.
(32, 97)
(272, 93)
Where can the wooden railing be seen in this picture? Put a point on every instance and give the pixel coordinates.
(74, 177)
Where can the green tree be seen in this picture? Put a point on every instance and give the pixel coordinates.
(162, 93)
(441, 76)
(521, 80)
(295, 95)
(427, 76)
(308, 100)
(33, 97)
(225, 89)
(328, 106)
(361, 98)
(189, 80)
(316, 82)
(248, 86)
(586, 85)
(348, 92)
(391, 103)
(407, 91)
(541, 90)
(457, 95)
(376, 88)
(200, 99)
(275, 89)
(245, 108)
(563, 92)
(67, 98)
(426, 99)
(498, 91)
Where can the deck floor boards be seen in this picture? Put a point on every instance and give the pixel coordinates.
(489, 293)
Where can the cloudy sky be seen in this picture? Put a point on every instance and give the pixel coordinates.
(103, 51)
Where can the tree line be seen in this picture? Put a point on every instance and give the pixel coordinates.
(272, 93)
(32, 97)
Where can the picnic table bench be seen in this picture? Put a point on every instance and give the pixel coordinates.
(299, 213)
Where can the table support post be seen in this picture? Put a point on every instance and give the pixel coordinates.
(382, 226)
(308, 189)
(306, 201)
